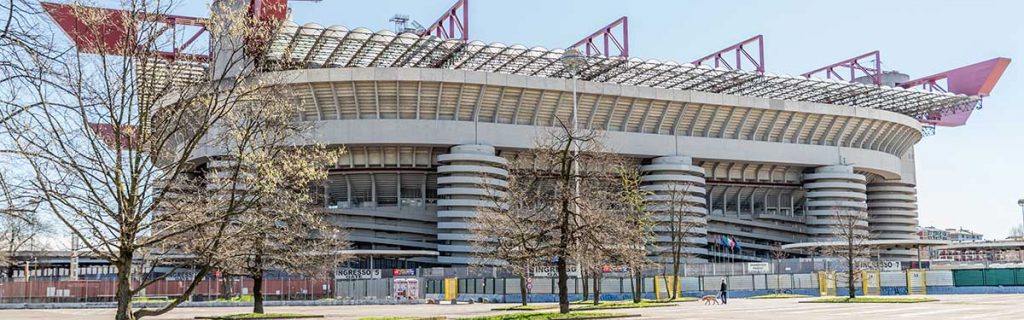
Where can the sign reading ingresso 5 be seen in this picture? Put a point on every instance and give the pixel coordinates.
(347, 273)
(552, 271)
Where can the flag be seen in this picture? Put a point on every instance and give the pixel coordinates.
(723, 241)
(738, 247)
(732, 243)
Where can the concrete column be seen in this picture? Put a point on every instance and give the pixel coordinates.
(461, 191)
(831, 191)
(228, 58)
(892, 215)
(677, 185)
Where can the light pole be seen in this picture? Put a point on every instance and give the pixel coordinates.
(572, 59)
(1021, 204)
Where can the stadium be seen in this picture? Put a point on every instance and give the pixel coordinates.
(424, 114)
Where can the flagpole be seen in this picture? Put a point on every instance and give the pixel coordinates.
(714, 252)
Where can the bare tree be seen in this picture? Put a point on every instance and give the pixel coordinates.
(580, 217)
(778, 254)
(850, 237)
(283, 230)
(516, 231)
(1017, 231)
(150, 159)
(640, 224)
(26, 51)
(19, 233)
(674, 206)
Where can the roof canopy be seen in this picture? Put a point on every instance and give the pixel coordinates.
(314, 46)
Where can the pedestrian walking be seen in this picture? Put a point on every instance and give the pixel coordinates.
(724, 292)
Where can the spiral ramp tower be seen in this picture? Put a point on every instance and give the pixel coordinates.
(892, 214)
(834, 192)
(677, 185)
(470, 178)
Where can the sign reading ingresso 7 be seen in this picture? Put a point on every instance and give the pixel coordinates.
(347, 273)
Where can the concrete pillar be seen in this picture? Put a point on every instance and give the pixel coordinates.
(677, 185)
(461, 191)
(228, 57)
(833, 190)
(892, 215)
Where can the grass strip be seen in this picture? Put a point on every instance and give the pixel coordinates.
(779, 296)
(148, 299)
(242, 298)
(581, 307)
(553, 316)
(677, 299)
(529, 307)
(870, 300)
(405, 318)
(622, 305)
(259, 316)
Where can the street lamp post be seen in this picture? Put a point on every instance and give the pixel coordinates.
(1021, 204)
(572, 59)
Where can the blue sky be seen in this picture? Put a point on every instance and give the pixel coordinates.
(969, 176)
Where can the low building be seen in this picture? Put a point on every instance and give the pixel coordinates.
(989, 251)
(963, 235)
(932, 233)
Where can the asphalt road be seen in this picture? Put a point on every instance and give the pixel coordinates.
(987, 307)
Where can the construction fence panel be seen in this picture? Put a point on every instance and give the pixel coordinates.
(760, 281)
(690, 283)
(805, 281)
(939, 278)
(894, 279)
(612, 285)
(740, 283)
(999, 277)
(842, 280)
(779, 281)
(512, 285)
(969, 278)
(543, 286)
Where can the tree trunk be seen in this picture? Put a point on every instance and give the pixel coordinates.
(676, 257)
(597, 288)
(778, 277)
(849, 272)
(586, 284)
(563, 286)
(257, 293)
(563, 252)
(632, 288)
(638, 292)
(123, 295)
(522, 289)
(225, 287)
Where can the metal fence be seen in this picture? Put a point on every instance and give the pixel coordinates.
(780, 275)
(48, 290)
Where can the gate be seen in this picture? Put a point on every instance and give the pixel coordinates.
(451, 288)
(827, 283)
(663, 284)
(917, 281)
(871, 283)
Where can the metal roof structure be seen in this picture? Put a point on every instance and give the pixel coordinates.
(314, 46)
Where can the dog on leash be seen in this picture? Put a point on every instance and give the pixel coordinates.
(709, 299)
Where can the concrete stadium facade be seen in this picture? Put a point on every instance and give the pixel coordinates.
(762, 171)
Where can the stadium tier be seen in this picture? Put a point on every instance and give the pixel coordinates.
(766, 159)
